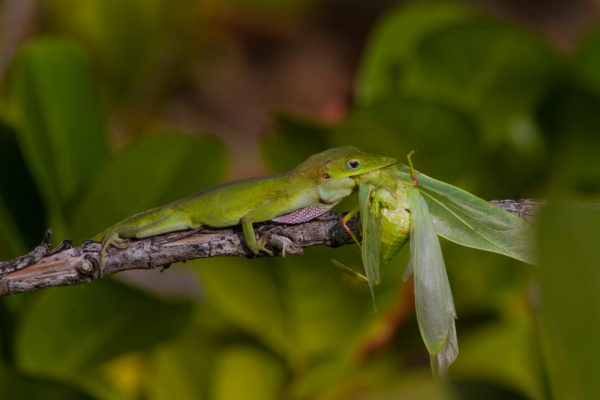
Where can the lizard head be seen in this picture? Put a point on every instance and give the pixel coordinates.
(334, 169)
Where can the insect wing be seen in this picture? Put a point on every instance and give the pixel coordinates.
(371, 230)
(433, 299)
(470, 221)
(441, 361)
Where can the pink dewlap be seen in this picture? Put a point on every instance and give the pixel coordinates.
(302, 215)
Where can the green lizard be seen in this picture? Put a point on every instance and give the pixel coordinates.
(299, 195)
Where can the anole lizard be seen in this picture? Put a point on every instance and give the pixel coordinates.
(299, 195)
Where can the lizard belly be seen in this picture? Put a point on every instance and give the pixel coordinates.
(303, 214)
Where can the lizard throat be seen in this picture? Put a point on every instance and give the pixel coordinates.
(303, 214)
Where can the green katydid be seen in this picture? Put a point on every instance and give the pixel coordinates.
(398, 202)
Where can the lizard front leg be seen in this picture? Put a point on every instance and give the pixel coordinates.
(254, 245)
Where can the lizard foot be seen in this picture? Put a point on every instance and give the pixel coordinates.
(114, 239)
(262, 243)
(280, 240)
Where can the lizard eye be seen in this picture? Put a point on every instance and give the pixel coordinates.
(326, 176)
(353, 165)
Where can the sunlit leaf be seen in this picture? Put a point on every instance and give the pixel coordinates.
(182, 369)
(256, 373)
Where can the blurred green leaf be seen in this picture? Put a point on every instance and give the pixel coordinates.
(490, 277)
(19, 387)
(72, 329)
(410, 386)
(249, 293)
(392, 46)
(380, 378)
(113, 31)
(446, 55)
(58, 122)
(586, 63)
(21, 208)
(501, 353)
(440, 133)
(472, 64)
(182, 369)
(301, 307)
(327, 311)
(153, 172)
(569, 277)
(248, 373)
(571, 119)
(295, 140)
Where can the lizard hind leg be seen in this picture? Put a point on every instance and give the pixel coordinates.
(118, 237)
(115, 239)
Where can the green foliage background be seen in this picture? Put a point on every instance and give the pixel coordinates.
(492, 108)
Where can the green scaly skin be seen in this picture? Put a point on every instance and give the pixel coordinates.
(316, 185)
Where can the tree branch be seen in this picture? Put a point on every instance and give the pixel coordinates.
(65, 265)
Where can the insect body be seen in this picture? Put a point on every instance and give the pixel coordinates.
(389, 203)
(392, 209)
(385, 216)
(397, 202)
